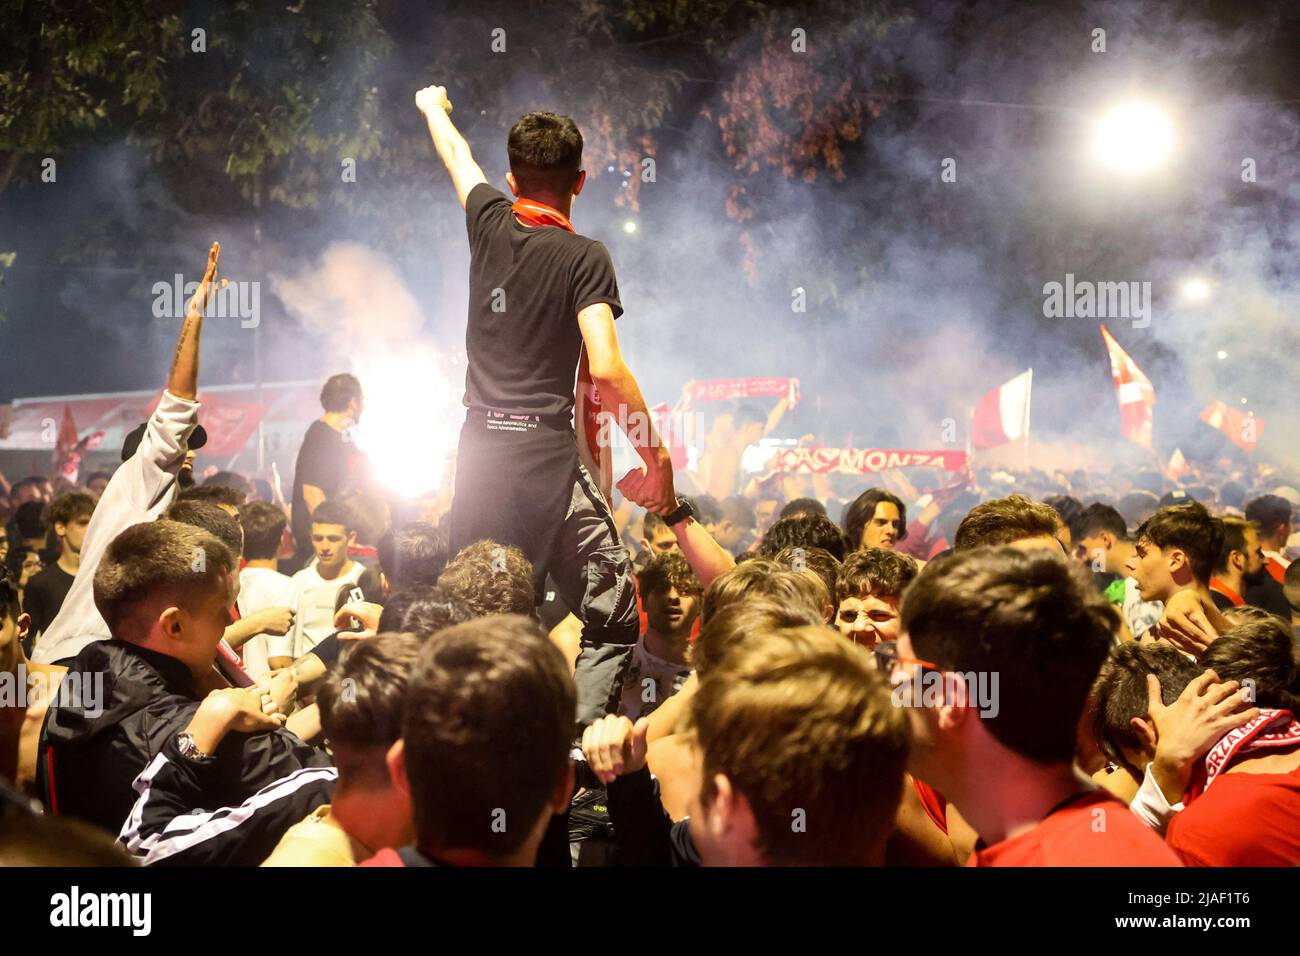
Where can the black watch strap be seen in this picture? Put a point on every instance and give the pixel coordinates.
(679, 514)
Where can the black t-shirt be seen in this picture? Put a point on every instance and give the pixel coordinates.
(526, 288)
(44, 595)
(324, 460)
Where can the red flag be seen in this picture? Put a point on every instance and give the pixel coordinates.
(1242, 430)
(67, 459)
(1136, 395)
(1002, 415)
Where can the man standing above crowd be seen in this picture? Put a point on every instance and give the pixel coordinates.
(327, 459)
(542, 305)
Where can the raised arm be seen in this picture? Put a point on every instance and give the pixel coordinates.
(451, 146)
(183, 382)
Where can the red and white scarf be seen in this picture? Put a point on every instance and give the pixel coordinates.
(586, 397)
(1271, 729)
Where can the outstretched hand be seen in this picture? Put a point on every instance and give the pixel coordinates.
(199, 303)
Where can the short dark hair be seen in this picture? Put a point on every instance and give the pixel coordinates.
(1005, 520)
(157, 561)
(651, 523)
(664, 572)
(363, 697)
(1190, 527)
(70, 506)
(863, 509)
(1268, 512)
(212, 519)
(263, 525)
(1120, 694)
(875, 572)
(434, 611)
(1234, 539)
(739, 510)
(214, 494)
(1068, 508)
(332, 511)
(10, 607)
(397, 603)
(545, 152)
(1137, 506)
(803, 506)
(707, 509)
(1262, 651)
(491, 579)
(805, 531)
(412, 554)
(1032, 617)
(1099, 517)
(750, 414)
(232, 479)
(338, 390)
(30, 519)
(1232, 494)
(487, 728)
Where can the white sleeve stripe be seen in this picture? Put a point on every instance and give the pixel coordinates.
(189, 830)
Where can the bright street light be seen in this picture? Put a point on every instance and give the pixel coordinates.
(1133, 138)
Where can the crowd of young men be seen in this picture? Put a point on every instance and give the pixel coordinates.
(205, 677)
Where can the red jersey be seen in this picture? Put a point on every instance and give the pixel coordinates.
(1244, 819)
(1093, 830)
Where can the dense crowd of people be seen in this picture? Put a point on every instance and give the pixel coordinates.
(1013, 669)
(1041, 681)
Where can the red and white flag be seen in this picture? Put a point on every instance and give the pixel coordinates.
(1136, 395)
(1242, 430)
(1002, 415)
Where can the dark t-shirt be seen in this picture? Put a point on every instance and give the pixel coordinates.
(526, 288)
(324, 460)
(44, 595)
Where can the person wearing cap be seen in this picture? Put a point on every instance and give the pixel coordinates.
(155, 458)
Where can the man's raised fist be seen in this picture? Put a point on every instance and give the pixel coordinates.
(433, 97)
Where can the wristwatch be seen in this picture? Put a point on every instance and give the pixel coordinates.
(679, 514)
(189, 749)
